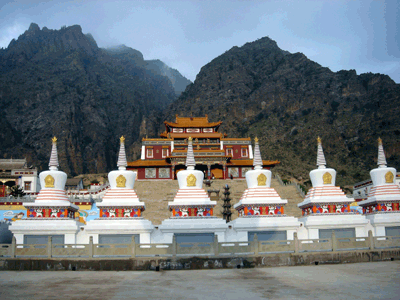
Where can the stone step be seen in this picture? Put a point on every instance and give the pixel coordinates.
(157, 194)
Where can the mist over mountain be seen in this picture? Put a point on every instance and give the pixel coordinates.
(287, 100)
(59, 82)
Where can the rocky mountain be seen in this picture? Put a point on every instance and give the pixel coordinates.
(288, 100)
(59, 82)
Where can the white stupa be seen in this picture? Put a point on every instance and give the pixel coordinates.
(326, 206)
(52, 213)
(261, 208)
(382, 204)
(192, 209)
(120, 209)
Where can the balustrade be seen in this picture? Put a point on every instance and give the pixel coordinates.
(214, 248)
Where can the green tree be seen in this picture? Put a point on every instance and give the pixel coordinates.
(17, 191)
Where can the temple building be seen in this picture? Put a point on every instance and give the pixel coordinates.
(17, 172)
(217, 156)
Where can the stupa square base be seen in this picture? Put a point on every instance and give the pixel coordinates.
(314, 223)
(171, 226)
(382, 220)
(243, 225)
(68, 228)
(118, 226)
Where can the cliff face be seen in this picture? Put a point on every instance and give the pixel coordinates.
(58, 82)
(288, 100)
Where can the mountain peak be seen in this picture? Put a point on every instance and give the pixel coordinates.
(34, 27)
(34, 42)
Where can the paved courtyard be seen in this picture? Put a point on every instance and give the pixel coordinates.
(378, 280)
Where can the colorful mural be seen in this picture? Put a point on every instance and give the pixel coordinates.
(12, 213)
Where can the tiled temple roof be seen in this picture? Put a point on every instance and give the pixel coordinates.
(148, 163)
(193, 135)
(184, 122)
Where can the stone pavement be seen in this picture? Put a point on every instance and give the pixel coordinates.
(377, 280)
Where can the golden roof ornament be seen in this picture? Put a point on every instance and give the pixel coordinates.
(256, 139)
(122, 139)
(319, 140)
(190, 138)
(54, 140)
(379, 141)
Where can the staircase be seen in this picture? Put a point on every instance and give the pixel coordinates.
(156, 194)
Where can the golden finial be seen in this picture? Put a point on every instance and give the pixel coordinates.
(122, 139)
(190, 138)
(54, 140)
(379, 141)
(256, 139)
(319, 140)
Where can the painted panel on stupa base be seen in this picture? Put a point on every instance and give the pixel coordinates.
(260, 210)
(185, 211)
(381, 207)
(327, 209)
(41, 212)
(126, 212)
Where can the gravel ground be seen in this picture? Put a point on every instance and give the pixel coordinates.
(378, 280)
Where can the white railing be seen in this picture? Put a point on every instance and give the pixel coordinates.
(214, 248)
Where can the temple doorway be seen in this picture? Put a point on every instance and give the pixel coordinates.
(202, 168)
(179, 168)
(217, 172)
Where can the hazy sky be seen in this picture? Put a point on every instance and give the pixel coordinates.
(186, 35)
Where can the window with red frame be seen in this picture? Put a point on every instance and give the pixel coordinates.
(149, 152)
